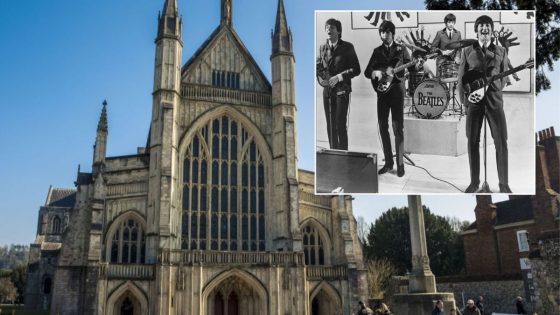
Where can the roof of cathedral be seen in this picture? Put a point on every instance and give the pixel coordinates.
(238, 42)
(61, 197)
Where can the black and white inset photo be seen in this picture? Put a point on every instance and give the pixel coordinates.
(410, 102)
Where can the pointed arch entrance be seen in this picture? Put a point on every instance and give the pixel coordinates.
(127, 299)
(325, 300)
(234, 292)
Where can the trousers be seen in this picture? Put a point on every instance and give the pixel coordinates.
(336, 112)
(497, 120)
(392, 101)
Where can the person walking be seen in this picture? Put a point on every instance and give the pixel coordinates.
(480, 304)
(520, 306)
(471, 309)
(438, 310)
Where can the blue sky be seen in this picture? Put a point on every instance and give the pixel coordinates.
(59, 59)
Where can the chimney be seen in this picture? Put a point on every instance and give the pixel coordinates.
(547, 139)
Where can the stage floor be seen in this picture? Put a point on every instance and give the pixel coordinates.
(363, 136)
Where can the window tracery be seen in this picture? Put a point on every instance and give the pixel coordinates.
(128, 243)
(223, 189)
(313, 246)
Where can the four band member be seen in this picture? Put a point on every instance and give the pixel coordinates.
(389, 54)
(444, 37)
(339, 59)
(482, 56)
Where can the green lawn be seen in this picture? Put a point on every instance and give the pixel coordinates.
(19, 310)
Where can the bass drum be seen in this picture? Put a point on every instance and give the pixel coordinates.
(430, 98)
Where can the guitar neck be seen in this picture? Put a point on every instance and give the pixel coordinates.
(406, 65)
(506, 73)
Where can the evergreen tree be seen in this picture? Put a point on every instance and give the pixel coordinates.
(389, 237)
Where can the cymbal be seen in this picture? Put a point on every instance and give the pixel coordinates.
(460, 43)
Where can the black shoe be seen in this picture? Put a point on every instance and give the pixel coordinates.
(385, 169)
(504, 188)
(473, 187)
(400, 170)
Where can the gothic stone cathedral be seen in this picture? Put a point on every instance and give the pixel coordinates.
(212, 216)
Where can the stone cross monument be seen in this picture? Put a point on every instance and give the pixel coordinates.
(422, 293)
(421, 278)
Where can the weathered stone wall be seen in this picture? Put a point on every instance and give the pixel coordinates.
(70, 276)
(546, 277)
(42, 268)
(499, 296)
(68, 290)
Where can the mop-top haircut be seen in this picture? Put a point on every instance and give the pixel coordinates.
(336, 23)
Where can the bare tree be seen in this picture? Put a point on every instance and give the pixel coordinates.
(8, 291)
(379, 273)
(362, 229)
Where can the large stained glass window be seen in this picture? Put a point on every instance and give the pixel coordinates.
(223, 189)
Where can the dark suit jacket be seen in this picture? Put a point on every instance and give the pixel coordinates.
(441, 40)
(493, 62)
(339, 61)
(381, 59)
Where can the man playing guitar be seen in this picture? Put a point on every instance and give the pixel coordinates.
(489, 59)
(383, 59)
(336, 64)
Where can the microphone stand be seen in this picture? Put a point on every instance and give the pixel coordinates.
(485, 187)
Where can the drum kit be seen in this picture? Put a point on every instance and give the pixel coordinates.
(430, 96)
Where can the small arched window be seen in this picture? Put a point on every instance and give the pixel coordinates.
(313, 246)
(128, 245)
(56, 225)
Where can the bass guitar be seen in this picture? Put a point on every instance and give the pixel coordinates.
(383, 85)
(475, 82)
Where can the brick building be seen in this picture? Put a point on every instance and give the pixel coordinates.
(504, 232)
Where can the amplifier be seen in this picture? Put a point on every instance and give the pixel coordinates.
(346, 172)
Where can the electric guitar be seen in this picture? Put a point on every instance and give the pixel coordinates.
(383, 85)
(475, 82)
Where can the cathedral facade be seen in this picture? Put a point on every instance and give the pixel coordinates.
(213, 216)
